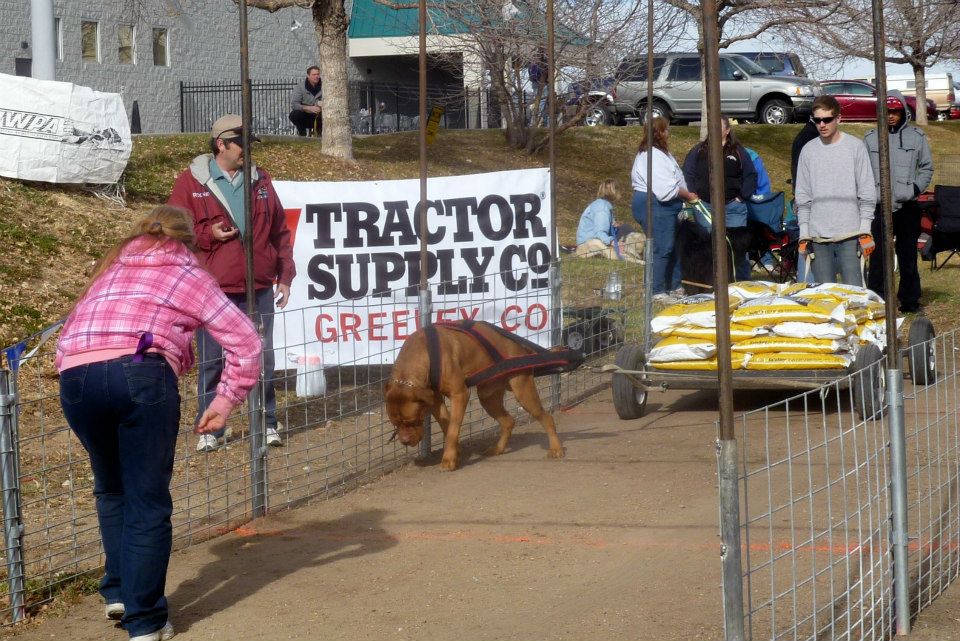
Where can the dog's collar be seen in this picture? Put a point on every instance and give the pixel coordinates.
(405, 383)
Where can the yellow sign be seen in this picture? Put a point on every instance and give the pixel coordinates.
(433, 124)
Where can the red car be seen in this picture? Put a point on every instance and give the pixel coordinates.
(858, 100)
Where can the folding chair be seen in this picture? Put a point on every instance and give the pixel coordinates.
(945, 235)
(771, 235)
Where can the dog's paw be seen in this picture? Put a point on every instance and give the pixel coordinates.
(449, 463)
(495, 450)
(557, 453)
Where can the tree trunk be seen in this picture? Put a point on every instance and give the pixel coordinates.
(919, 72)
(330, 22)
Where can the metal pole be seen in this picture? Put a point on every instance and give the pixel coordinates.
(424, 300)
(648, 246)
(898, 460)
(729, 488)
(898, 491)
(730, 564)
(258, 450)
(43, 33)
(12, 517)
(555, 272)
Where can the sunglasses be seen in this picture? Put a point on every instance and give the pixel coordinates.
(824, 121)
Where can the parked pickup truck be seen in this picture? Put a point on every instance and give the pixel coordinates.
(747, 91)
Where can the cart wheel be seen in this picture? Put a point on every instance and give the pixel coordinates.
(868, 382)
(923, 352)
(628, 399)
(574, 337)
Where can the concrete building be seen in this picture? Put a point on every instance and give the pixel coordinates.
(144, 49)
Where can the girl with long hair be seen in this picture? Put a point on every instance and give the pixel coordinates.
(669, 190)
(120, 352)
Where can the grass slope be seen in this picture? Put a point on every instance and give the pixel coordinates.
(51, 234)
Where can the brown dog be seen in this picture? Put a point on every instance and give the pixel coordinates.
(409, 396)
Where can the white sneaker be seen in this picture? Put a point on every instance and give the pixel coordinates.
(664, 298)
(163, 634)
(207, 443)
(678, 293)
(114, 611)
(273, 438)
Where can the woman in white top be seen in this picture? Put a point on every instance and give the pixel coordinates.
(669, 190)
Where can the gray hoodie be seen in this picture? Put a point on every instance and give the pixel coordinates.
(911, 163)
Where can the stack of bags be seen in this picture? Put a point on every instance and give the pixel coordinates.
(773, 326)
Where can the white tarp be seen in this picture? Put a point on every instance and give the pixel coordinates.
(357, 250)
(60, 132)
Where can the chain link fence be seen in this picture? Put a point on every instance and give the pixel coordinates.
(333, 442)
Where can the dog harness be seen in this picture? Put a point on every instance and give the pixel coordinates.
(541, 361)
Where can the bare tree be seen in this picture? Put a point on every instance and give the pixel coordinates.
(330, 23)
(507, 36)
(740, 20)
(920, 33)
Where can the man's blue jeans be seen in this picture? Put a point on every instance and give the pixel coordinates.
(127, 414)
(830, 259)
(666, 263)
(210, 358)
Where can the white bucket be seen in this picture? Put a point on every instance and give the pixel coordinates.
(311, 380)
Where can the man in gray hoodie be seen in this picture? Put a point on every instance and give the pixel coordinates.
(306, 104)
(911, 170)
(835, 196)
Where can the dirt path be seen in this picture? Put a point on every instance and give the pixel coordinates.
(617, 541)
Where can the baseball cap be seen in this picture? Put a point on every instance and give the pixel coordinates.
(229, 126)
(894, 104)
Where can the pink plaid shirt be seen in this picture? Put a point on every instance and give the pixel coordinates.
(161, 288)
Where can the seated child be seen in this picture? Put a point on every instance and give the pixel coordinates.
(598, 234)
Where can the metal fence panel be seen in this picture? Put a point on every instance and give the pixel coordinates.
(816, 505)
(933, 473)
(332, 443)
(815, 519)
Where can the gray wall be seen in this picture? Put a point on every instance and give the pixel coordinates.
(204, 46)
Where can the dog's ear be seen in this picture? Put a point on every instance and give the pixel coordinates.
(387, 387)
(425, 395)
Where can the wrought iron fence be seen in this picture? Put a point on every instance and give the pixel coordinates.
(374, 107)
(333, 441)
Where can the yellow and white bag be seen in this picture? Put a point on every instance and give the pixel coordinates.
(791, 361)
(779, 344)
(678, 348)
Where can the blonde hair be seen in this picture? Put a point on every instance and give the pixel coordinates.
(608, 190)
(162, 223)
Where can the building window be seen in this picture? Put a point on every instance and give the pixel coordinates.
(127, 44)
(90, 41)
(161, 55)
(58, 35)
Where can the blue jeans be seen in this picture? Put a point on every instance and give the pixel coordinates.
(735, 215)
(666, 263)
(830, 259)
(210, 358)
(126, 415)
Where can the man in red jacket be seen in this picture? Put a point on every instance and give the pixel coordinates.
(212, 190)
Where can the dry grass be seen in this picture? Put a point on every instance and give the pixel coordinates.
(52, 234)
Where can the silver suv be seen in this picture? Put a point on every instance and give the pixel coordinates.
(747, 90)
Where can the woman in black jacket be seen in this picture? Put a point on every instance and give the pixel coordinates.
(739, 183)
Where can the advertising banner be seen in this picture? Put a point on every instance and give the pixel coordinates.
(59, 132)
(357, 251)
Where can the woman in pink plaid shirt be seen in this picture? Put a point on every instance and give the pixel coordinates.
(119, 355)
